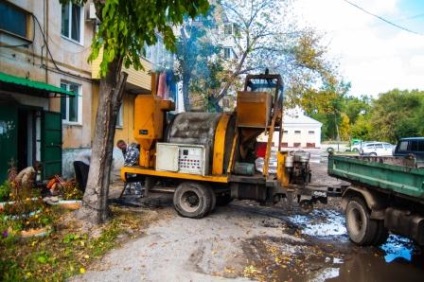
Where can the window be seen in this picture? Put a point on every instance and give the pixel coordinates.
(227, 53)
(417, 145)
(120, 117)
(403, 146)
(420, 146)
(14, 20)
(297, 132)
(230, 29)
(71, 107)
(72, 21)
(311, 132)
(159, 55)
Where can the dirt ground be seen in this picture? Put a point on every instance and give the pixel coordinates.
(244, 241)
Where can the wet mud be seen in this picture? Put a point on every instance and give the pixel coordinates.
(325, 253)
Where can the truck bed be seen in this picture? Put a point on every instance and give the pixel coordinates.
(388, 174)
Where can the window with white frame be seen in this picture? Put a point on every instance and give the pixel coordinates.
(297, 132)
(230, 29)
(71, 106)
(311, 132)
(72, 21)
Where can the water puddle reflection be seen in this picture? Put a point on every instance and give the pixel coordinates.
(396, 260)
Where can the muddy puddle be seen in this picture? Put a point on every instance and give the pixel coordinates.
(396, 260)
(323, 252)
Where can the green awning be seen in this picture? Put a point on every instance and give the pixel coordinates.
(11, 82)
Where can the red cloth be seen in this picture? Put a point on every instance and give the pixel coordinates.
(260, 149)
(162, 87)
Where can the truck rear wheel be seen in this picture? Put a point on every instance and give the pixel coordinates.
(192, 199)
(381, 234)
(361, 229)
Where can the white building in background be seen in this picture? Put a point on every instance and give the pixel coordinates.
(299, 131)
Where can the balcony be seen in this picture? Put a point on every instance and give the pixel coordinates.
(137, 82)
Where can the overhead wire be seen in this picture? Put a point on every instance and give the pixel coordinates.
(381, 18)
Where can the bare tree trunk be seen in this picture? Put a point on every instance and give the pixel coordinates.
(230, 80)
(94, 208)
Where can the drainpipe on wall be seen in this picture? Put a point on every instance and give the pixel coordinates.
(46, 28)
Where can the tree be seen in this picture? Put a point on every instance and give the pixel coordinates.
(326, 105)
(126, 27)
(257, 36)
(265, 35)
(194, 51)
(397, 114)
(362, 127)
(355, 107)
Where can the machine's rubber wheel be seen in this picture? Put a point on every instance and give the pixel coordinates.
(213, 198)
(361, 229)
(381, 234)
(192, 199)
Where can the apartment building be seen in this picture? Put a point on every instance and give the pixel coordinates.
(48, 91)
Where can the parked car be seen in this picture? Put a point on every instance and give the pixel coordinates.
(376, 149)
(356, 147)
(410, 146)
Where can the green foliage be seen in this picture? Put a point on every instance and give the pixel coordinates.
(5, 191)
(397, 114)
(354, 107)
(362, 127)
(66, 251)
(393, 115)
(126, 27)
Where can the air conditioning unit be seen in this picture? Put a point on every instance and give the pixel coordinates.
(92, 12)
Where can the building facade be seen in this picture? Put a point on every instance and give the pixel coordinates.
(46, 82)
(48, 91)
(299, 131)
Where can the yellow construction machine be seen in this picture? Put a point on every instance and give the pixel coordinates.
(204, 158)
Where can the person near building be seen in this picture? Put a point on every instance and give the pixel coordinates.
(82, 167)
(27, 177)
(131, 157)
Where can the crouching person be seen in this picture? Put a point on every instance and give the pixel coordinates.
(27, 177)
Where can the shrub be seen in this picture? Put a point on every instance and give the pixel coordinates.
(5, 191)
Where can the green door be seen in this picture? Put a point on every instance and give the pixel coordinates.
(51, 144)
(8, 138)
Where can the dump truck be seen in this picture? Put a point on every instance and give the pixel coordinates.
(385, 194)
(208, 158)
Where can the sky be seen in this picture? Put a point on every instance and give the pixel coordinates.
(373, 55)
